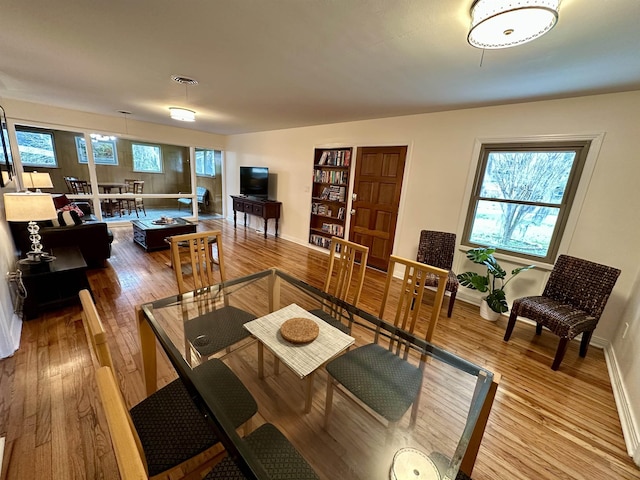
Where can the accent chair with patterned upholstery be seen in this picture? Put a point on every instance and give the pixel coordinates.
(572, 302)
(437, 249)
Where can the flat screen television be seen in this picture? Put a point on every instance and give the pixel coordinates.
(254, 182)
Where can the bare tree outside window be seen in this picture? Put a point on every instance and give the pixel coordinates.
(522, 197)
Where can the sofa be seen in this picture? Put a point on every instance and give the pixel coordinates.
(93, 238)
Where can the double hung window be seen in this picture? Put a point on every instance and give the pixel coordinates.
(522, 196)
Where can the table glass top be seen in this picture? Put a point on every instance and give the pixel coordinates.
(355, 445)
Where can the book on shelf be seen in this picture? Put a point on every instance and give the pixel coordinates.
(323, 158)
(325, 193)
(341, 213)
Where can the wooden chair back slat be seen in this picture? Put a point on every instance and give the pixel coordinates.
(411, 294)
(342, 260)
(200, 247)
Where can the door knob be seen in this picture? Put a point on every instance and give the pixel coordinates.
(353, 211)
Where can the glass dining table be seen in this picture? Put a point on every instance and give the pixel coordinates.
(454, 403)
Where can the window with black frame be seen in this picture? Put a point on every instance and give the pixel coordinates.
(522, 197)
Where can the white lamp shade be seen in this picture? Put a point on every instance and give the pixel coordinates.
(26, 207)
(182, 114)
(504, 23)
(37, 180)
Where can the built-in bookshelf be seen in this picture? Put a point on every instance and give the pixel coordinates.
(331, 169)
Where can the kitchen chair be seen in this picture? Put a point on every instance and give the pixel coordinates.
(278, 457)
(68, 181)
(78, 187)
(136, 204)
(342, 258)
(218, 329)
(170, 433)
(437, 249)
(572, 301)
(381, 377)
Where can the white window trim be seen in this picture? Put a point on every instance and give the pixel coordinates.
(578, 201)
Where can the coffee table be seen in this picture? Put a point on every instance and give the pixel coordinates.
(302, 359)
(150, 234)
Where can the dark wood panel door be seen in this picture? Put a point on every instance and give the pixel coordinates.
(377, 186)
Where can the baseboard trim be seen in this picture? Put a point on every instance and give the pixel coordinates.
(630, 430)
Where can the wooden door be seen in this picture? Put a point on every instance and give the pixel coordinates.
(377, 185)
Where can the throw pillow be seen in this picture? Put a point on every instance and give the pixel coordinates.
(67, 218)
(60, 201)
(72, 207)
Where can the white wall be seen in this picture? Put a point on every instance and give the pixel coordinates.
(606, 227)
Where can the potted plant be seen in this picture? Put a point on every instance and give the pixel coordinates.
(493, 282)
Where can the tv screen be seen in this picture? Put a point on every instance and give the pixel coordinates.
(254, 181)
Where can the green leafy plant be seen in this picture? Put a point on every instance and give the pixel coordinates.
(493, 282)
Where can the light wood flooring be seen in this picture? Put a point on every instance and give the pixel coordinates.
(544, 424)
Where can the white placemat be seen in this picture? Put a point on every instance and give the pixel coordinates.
(302, 359)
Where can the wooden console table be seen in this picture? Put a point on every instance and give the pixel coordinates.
(265, 209)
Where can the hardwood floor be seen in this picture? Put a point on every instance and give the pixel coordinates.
(544, 424)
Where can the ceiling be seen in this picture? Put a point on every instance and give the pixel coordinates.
(272, 64)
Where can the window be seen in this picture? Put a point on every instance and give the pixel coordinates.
(522, 197)
(146, 158)
(104, 151)
(206, 162)
(36, 148)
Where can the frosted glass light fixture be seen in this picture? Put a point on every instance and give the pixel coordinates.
(182, 114)
(508, 23)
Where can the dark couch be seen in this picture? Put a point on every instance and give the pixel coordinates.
(92, 237)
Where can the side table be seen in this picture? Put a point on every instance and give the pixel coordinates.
(56, 286)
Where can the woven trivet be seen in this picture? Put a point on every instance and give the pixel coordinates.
(299, 330)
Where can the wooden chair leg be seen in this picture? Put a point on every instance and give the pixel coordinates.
(584, 343)
(562, 348)
(328, 404)
(452, 300)
(512, 323)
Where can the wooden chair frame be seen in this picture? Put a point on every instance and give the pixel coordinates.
(406, 317)
(201, 257)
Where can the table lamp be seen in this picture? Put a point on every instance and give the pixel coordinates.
(30, 207)
(37, 180)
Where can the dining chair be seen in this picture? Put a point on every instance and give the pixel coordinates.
(68, 182)
(278, 457)
(437, 249)
(381, 377)
(343, 256)
(216, 329)
(170, 433)
(572, 302)
(138, 201)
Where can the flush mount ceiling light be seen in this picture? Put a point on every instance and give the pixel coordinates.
(98, 137)
(507, 23)
(183, 114)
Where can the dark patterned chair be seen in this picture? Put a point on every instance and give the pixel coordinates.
(378, 375)
(437, 249)
(280, 459)
(167, 428)
(573, 300)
